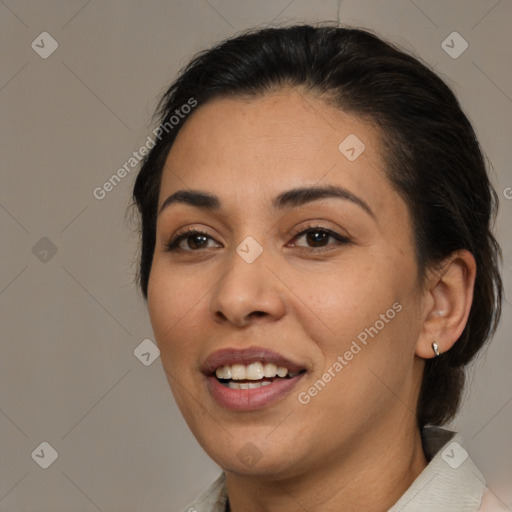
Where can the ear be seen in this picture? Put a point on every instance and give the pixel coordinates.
(447, 300)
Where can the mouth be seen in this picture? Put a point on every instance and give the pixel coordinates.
(252, 376)
(250, 379)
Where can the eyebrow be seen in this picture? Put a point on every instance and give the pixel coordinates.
(288, 199)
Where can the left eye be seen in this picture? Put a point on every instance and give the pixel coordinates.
(316, 237)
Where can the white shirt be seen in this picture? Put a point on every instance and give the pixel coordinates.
(449, 483)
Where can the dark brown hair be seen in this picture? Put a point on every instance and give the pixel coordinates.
(432, 156)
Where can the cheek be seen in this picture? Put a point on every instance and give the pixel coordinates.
(366, 370)
(346, 298)
(174, 305)
(364, 311)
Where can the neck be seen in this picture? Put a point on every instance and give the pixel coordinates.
(369, 476)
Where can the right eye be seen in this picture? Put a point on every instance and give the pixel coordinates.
(193, 238)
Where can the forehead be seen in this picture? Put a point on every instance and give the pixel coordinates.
(288, 138)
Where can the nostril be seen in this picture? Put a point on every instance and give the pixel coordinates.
(239, 320)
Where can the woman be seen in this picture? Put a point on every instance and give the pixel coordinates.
(319, 268)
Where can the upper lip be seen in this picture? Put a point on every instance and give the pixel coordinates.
(230, 356)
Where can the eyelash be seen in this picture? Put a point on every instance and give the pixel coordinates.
(173, 245)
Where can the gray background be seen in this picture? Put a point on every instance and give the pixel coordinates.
(70, 321)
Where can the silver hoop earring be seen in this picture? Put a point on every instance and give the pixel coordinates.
(435, 347)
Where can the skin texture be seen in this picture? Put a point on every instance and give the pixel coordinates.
(355, 445)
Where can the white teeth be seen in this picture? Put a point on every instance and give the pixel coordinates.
(282, 372)
(248, 385)
(253, 371)
(238, 372)
(270, 370)
(224, 372)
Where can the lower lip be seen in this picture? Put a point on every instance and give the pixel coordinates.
(251, 399)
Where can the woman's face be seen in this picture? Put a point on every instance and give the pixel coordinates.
(323, 284)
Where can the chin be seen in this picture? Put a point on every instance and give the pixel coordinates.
(254, 455)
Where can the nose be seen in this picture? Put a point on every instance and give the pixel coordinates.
(247, 293)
